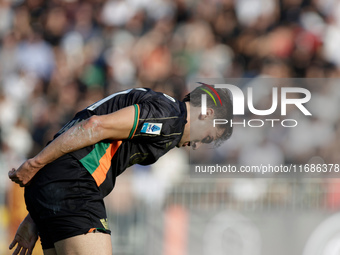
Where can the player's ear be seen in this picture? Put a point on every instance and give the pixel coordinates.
(210, 114)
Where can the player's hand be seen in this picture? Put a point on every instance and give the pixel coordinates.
(24, 174)
(25, 238)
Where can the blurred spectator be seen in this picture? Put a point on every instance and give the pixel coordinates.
(36, 56)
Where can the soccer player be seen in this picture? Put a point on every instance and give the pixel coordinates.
(66, 182)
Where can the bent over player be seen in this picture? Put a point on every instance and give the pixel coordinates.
(66, 182)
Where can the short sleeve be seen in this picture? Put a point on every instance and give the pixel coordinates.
(135, 122)
(158, 120)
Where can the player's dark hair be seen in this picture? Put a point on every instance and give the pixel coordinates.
(224, 111)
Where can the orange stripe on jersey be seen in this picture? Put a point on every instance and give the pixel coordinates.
(105, 163)
(91, 230)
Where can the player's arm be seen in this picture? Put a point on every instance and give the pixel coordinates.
(25, 237)
(114, 126)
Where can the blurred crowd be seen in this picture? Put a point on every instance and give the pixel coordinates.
(58, 56)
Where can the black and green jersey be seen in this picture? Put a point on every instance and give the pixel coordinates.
(158, 127)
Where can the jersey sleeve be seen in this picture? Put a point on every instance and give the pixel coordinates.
(158, 120)
(135, 121)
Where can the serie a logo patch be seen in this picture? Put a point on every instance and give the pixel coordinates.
(152, 128)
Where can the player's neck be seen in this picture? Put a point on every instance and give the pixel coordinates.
(188, 112)
(186, 131)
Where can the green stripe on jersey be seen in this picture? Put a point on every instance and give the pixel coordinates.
(91, 160)
(134, 122)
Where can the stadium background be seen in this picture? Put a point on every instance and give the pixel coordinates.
(56, 57)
